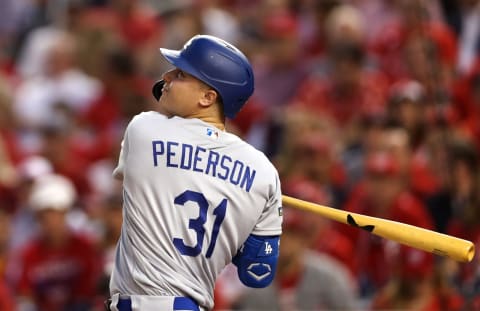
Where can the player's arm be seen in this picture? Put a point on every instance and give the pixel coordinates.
(256, 260)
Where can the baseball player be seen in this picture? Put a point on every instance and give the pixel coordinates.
(195, 196)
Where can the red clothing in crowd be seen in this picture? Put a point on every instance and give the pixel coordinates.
(73, 166)
(466, 97)
(437, 302)
(322, 96)
(389, 47)
(11, 145)
(457, 228)
(6, 298)
(135, 25)
(370, 250)
(423, 180)
(336, 244)
(56, 278)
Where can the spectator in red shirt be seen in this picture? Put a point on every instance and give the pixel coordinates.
(134, 23)
(343, 85)
(279, 33)
(337, 245)
(122, 97)
(347, 91)
(415, 161)
(383, 194)
(409, 46)
(414, 285)
(57, 269)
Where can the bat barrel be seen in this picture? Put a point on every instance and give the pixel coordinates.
(427, 240)
(470, 252)
(461, 250)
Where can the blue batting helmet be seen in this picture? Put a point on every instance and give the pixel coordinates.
(218, 64)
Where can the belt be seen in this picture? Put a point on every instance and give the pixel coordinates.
(179, 303)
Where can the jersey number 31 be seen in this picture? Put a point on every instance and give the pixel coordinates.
(197, 224)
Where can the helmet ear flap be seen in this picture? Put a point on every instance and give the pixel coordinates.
(157, 89)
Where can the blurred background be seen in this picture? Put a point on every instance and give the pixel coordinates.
(371, 106)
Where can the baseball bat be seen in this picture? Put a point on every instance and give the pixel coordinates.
(427, 240)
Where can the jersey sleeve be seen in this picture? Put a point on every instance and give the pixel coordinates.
(270, 221)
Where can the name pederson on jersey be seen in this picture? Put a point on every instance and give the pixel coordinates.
(192, 196)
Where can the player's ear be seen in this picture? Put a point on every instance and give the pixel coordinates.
(209, 97)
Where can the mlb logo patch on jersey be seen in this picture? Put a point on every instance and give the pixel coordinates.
(211, 132)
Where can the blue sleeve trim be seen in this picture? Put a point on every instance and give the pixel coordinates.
(257, 260)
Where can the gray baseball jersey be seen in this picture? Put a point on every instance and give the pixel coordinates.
(192, 196)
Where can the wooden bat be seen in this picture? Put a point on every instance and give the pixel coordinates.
(427, 240)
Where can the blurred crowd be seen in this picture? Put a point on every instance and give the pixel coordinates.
(370, 106)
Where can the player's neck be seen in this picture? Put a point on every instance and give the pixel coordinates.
(216, 123)
(214, 119)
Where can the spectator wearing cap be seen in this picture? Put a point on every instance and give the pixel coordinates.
(279, 66)
(342, 85)
(305, 280)
(383, 193)
(57, 269)
(415, 285)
